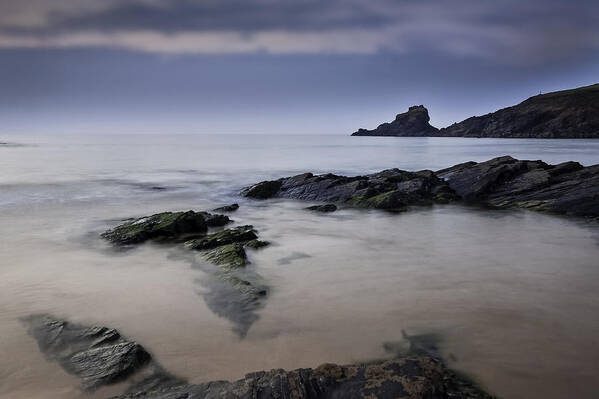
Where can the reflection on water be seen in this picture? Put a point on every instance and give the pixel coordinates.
(510, 296)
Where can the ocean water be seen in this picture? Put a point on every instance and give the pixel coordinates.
(512, 296)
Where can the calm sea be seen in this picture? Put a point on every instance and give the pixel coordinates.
(512, 296)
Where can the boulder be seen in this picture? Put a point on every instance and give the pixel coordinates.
(227, 208)
(97, 355)
(323, 208)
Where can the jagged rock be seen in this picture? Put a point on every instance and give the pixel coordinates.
(415, 122)
(567, 188)
(323, 208)
(227, 208)
(391, 189)
(228, 236)
(229, 255)
(97, 355)
(410, 377)
(562, 114)
(263, 190)
(166, 225)
(215, 220)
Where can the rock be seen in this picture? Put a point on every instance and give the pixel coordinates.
(410, 377)
(227, 208)
(256, 244)
(236, 293)
(97, 355)
(228, 236)
(215, 220)
(391, 189)
(323, 208)
(562, 114)
(229, 255)
(263, 190)
(415, 122)
(567, 188)
(166, 225)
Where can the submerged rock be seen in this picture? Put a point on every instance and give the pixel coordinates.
(97, 355)
(410, 377)
(238, 293)
(227, 208)
(391, 189)
(323, 208)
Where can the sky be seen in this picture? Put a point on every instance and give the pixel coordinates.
(281, 67)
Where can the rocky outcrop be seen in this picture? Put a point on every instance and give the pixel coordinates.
(163, 226)
(410, 377)
(415, 122)
(97, 355)
(391, 189)
(567, 188)
(562, 114)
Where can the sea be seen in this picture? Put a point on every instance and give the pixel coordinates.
(509, 297)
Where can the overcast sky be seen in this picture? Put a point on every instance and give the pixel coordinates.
(295, 66)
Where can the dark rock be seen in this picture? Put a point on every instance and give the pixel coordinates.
(256, 244)
(229, 236)
(562, 114)
(415, 122)
(215, 220)
(166, 225)
(229, 255)
(263, 190)
(391, 189)
(227, 208)
(410, 377)
(97, 355)
(567, 188)
(323, 208)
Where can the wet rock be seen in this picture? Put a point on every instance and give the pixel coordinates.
(235, 293)
(323, 208)
(227, 208)
(567, 188)
(263, 190)
(215, 220)
(97, 355)
(391, 189)
(407, 377)
(415, 122)
(256, 244)
(229, 255)
(161, 226)
(229, 236)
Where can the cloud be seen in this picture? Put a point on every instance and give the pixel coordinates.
(510, 31)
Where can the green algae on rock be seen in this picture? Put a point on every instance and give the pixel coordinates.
(227, 236)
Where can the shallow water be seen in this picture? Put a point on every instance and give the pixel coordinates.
(513, 295)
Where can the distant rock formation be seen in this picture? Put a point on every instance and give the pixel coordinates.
(411, 123)
(562, 114)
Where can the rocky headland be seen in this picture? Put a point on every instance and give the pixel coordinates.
(567, 188)
(562, 114)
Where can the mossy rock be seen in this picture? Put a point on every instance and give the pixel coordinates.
(165, 225)
(229, 236)
(231, 256)
(390, 200)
